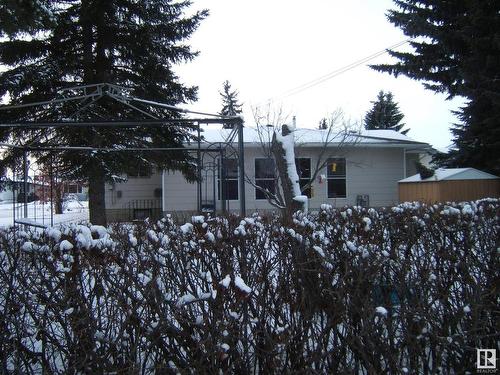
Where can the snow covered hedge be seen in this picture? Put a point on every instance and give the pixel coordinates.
(405, 289)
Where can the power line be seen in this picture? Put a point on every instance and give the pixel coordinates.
(336, 72)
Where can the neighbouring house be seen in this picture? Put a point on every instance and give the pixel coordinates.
(8, 191)
(13, 190)
(39, 188)
(365, 170)
(450, 185)
(77, 189)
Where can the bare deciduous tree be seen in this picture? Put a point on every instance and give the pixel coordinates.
(338, 134)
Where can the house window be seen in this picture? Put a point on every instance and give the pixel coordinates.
(303, 166)
(336, 175)
(229, 168)
(140, 171)
(73, 188)
(265, 177)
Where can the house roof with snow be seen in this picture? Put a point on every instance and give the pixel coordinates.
(318, 137)
(450, 174)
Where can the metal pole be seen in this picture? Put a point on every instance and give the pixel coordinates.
(241, 175)
(222, 182)
(214, 177)
(241, 169)
(51, 171)
(199, 168)
(25, 167)
(14, 197)
(205, 179)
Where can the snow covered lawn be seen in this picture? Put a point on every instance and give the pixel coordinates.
(74, 211)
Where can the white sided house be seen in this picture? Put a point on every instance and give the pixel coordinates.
(363, 170)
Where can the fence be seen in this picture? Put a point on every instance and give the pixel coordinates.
(452, 191)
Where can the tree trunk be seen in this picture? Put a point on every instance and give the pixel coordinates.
(291, 205)
(97, 206)
(88, 41)
(95, 71)
(58, 198)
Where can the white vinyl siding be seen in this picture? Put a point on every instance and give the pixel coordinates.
(372, 171)
(119, 195)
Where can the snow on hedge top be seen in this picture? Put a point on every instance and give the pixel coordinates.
(241, 285)
(450, 174)
(314, 136)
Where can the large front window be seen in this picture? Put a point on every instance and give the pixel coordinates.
(265, 177)
(336, 175)
(229, 172)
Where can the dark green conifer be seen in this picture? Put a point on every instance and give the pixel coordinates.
(385, 114)
(230, 104)
(323, 124)
(456, 50)
(51, 45)
(423, 171)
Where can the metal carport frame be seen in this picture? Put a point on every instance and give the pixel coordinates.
(90, 94)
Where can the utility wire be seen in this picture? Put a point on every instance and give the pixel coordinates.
(336, 72)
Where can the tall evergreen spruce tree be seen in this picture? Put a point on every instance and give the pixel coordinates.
(457, 51)
(50, 45)
(323, 124)
(385, 114)
(230, 104)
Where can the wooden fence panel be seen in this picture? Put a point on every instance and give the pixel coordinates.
(428, 192)
(467, 190)
(443, 191)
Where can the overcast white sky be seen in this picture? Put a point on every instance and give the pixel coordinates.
(268, 47)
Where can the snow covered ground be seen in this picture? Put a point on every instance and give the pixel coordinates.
(74, 211)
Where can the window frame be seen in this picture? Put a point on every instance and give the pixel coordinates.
(227, 180)
(256, 179)
(141, 172)
(336, 178)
